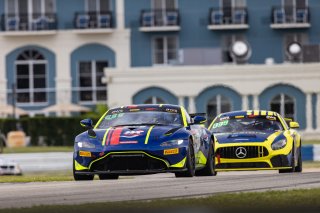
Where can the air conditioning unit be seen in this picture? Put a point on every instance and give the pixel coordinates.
(311, 53)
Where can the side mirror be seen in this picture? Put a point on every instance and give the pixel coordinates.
(87, 123)
(199, 120)
(294, 125)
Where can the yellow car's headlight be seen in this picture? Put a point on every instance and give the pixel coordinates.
(279, 144)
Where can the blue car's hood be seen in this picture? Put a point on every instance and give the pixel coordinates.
(242, 137)
(136, 135)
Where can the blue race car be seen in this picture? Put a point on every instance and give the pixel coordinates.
(144, 139)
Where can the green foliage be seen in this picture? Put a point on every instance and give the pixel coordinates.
(47, 130)
(98, 111)
(52, 131)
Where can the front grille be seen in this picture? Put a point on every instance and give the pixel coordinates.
(251, 152)
(128, 162)
(242, 165)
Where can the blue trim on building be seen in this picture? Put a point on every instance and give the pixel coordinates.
(51, 73)
(300, 100)
(250, 100)
(89, 52)
(314, 111)
(66, 12)
(143, 95)
(186, 102)
(308, 153)
(206, 95)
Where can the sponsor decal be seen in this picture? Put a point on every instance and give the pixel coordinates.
(85, 154)
(225, 118)
(114, 116)
(117, 111)
(220, 124)
(128, 142)
(132, 133)
(239, 116)
(171, 110)
(171, 151)
(151, 109)
(134, 110)
(272, 118)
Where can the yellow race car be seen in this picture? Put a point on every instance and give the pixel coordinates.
(256, 140)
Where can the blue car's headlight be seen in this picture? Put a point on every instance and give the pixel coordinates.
(279, 144)
(172, 143)
(86, 145)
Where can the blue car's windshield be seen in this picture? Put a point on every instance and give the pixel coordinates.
(246, 124)
(140, 118)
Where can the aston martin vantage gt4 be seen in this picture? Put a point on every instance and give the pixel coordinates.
(256, 140)
(144, 139)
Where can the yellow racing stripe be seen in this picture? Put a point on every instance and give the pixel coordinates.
(148, 135)
(101, 119)
(105, 137)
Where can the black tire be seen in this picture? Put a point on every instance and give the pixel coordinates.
(292, 164)
(209, 169)
(108, 176)
(78, 177)
(190, 163)
(298, 168)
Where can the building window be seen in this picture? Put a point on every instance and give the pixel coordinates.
(98, 5)
(218, 104)
(165, 50)
(31, 77)
(90, 77)
(233, 11)
(154, 100)
(30, 14)
(283, 104)
(164, 4)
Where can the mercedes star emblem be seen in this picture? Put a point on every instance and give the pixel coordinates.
(241, 152)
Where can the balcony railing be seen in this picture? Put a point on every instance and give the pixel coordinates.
(93, 20)
(160, 18)
(28, 22)
(228, 17)
(285, 17)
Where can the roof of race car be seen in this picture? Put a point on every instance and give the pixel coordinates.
(147, 107)
(249, 112)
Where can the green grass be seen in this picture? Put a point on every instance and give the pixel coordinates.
(311, 142)
(311, 164)
(35, 149)
(38, 177)
(272, 201)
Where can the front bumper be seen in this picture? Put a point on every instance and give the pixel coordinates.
(260, 157)
(131, 162)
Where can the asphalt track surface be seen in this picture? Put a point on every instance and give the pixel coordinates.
(149, 187)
